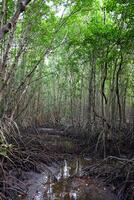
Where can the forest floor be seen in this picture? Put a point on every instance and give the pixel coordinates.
(55, 163)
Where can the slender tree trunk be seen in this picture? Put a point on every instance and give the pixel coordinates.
(94, 92)
(112, 98)
(117, 91)
(104, 77)
(90, 96)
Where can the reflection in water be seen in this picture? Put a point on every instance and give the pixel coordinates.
(78, 170)
(44, 178)
(69, 185)
(59, 175)
(66, 170)
(73, 195)
(38, 196)
(50, 195)
(60, 189)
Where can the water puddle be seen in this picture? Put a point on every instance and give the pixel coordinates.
(68, 183)
(62, 187)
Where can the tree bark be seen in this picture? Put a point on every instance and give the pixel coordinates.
(12, 22)
(117, 91)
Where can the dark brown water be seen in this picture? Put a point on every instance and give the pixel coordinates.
(67, 182)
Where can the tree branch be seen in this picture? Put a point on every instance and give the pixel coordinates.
(12, 22)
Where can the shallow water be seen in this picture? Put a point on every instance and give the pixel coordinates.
(67, 183)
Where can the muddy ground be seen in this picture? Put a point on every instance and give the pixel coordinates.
(49, 163)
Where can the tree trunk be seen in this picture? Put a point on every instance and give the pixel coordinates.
(117, 91)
